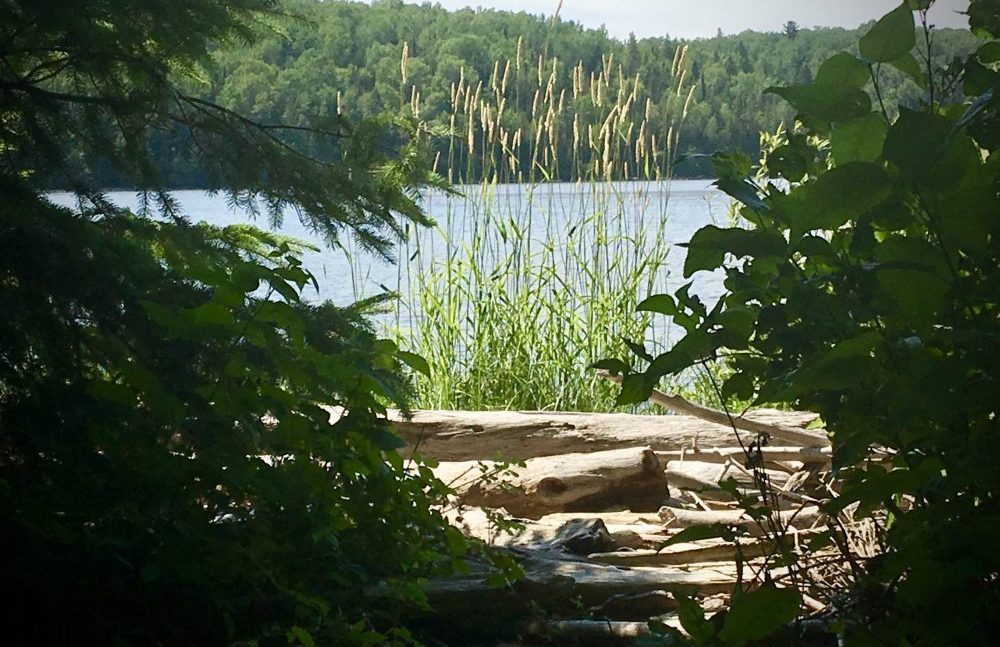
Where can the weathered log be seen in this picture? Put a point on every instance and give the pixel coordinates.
(562, 532)
(474, 435)
(706, 550)
(820, 455)
(682, 518)
(558, 586)
(784, 433)
(642, 606)
(584, 633)
(631, 478)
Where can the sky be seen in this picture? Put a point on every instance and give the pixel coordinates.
(703, 18)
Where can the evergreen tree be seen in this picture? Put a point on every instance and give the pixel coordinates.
(167, 474)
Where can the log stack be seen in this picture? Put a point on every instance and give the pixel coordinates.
(593, 498)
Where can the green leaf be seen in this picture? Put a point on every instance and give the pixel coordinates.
(692, 618)
(659, 303)
(612, 366)
(635, 390)
(858, 140)
(414, 361)
(978, 79)
(300, 636)
(739, 385)
(639, 350)
(843, 193)
(891, 37)
(758, 614)
(698, 533)
(989, 53)
(825, 102)
(908, 65)
(213, 314)
(710, 244)
(384, 439)
(842, 71)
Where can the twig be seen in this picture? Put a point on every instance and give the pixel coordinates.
(678, 404)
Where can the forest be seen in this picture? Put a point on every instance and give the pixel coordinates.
(344, 57)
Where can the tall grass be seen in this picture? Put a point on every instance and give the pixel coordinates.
(528, 280)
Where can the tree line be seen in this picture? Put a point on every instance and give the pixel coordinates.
(347, 58)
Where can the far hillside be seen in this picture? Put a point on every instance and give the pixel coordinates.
(348, 56)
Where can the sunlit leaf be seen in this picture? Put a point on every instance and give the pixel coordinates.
(891, 37)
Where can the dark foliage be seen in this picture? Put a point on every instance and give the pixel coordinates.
(167, 474)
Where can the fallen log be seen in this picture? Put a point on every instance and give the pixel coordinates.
(559, 586)
(705, 550)
(820, 455)
(682, 518)
(584, 633)
(474, 435)
(567, 532)
(631, 478)
(676, 403)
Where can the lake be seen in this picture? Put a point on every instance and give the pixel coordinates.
(526, 215)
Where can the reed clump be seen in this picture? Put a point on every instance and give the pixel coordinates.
(534, 270)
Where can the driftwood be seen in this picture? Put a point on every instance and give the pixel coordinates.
(705, 550)
(574, 533)
(785, 433)
(682, 518)
(558, 586)
(630, 478)
(805, 455)
(519, 435)
(584, 633)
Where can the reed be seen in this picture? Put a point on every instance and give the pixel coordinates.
(527, 280)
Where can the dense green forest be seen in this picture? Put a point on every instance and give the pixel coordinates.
(347, 56)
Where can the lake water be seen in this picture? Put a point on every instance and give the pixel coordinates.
(550, 211)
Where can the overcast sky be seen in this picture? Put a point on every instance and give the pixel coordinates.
(701, 18)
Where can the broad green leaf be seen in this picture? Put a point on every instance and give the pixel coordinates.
(669, 363)
(385, 439)
(692, 618)
(731, 171)
(825, 102)
(843, 71)
(697, 533)
(659, 303)
(989, 53)
(212, 313)
(735, 326)
(978, 79)
(788, 162)
(919, 295)
(844, 193)
(758, 614)
(908, 65)
(710, 244)
(414, 361)
(612, 366)
(300, 636)
(639, 350)
(858, 140)
(635, 390)
(891, 37)
(112, 392)
(739, 386)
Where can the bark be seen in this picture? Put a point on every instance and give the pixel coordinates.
(630, 478)
(558, 586)
(682, 518)
(519, 435)
(785, 433)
